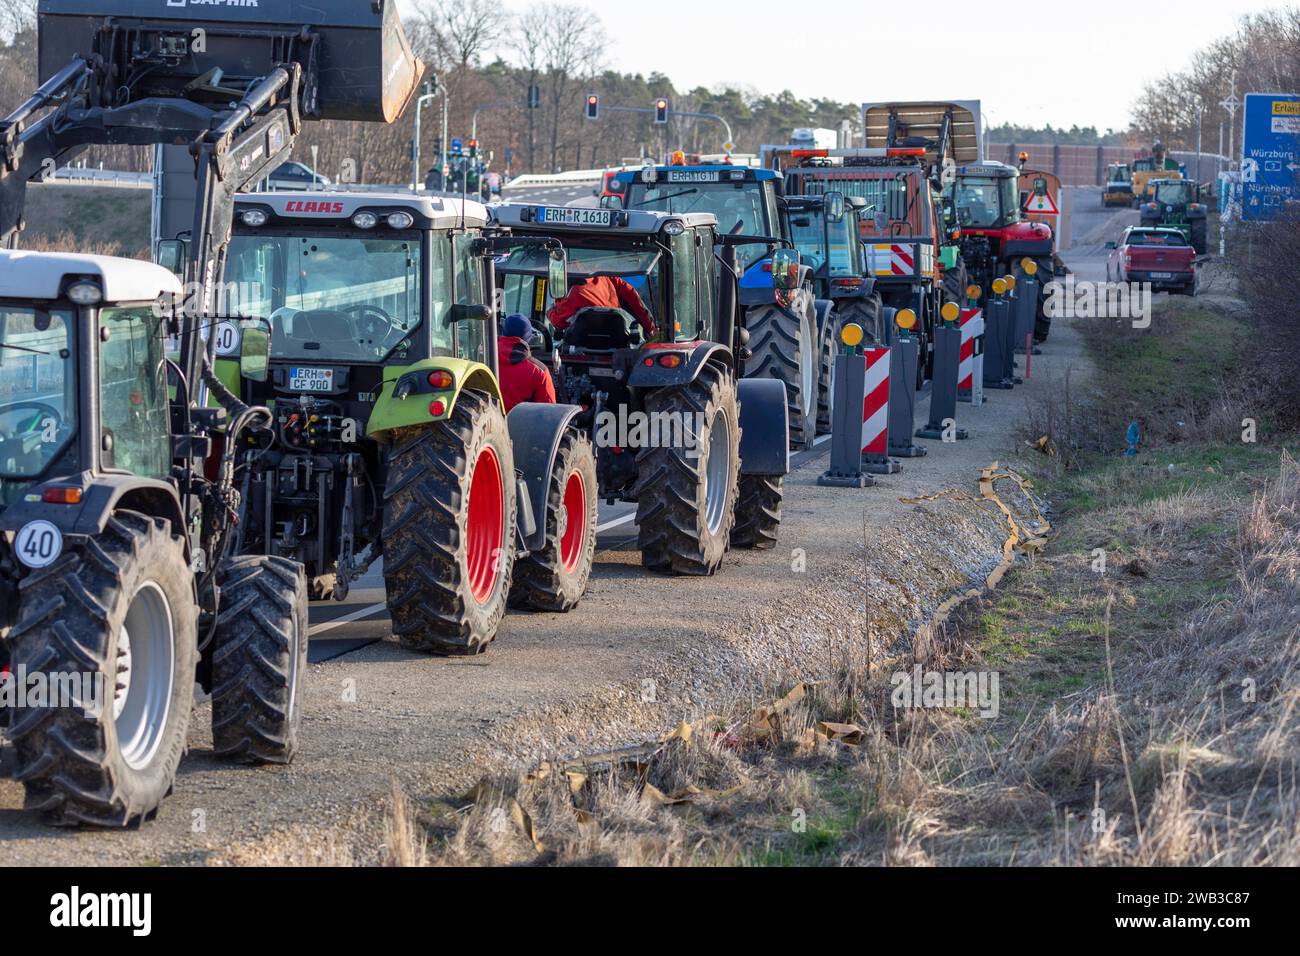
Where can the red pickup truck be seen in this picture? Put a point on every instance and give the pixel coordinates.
(1159, 256)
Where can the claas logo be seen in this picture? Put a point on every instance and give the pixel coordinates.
(323, 206)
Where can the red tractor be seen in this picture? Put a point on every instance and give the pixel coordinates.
(983, 201)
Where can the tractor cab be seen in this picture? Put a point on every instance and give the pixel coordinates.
(984, 201)
(825, 231)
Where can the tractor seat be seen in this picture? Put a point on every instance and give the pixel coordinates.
(599, 330)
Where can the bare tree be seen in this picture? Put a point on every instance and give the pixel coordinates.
(465, 29)
(570, 48)
(527, 41)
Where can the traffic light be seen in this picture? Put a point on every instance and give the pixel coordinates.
(430, 86)
(473, 148)
(593, 106)
(661, 110)
(534, 96)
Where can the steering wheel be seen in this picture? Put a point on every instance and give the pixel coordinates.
(369, 321)
(43, 411)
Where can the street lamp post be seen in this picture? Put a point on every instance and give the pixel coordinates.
(415, 150)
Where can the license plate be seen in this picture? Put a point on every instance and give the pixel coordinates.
(1162, 275)
(574, 216)
(311, 379)
(694, 176)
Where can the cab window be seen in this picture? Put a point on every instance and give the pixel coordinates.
(471, 335)
(133, 412)
(686, 288)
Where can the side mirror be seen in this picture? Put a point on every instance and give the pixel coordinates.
(834, 201)
(171, 255)
(254, 353)
(611, 202)
(785, 275)
(1112, 244)
(460, 312)
(649, 174)
(557, 274)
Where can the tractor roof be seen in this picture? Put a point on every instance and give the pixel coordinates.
(515, 215)
(338, 207)
(44, 275)
(707, 172)
(988, 167)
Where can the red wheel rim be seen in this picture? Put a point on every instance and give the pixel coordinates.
(575, 521)
(485, 524)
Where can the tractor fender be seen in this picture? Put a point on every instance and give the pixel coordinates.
(391, 411)
(100, 496)
(656, 376)
(764, 427)
(822, 309)
(535, 432)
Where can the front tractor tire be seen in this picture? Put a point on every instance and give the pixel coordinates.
(783, 345)
(686, 497)
(555, 578)
(449, 520)
(120, 609)
(259, 656)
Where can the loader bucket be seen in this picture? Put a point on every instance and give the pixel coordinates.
(357, 63)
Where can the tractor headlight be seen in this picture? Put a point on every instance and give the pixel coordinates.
(253, 217)
(365, 220)
(85, 292)
(674, 228)
(400, 220)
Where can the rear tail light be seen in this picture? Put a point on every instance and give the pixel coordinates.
(671, 360)
(846, 282)
(61, 495)
(441, 379)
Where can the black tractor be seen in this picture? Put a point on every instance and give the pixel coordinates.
(677, 428)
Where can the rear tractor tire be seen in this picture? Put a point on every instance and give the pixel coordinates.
(783, 343)
(686, 497)
(829, 339)
(555, 578)
(449, 525)
(117, 609)
(259, 656)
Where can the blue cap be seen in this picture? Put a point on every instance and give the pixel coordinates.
(517, 326)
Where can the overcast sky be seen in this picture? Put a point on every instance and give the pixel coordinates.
(1076, 62)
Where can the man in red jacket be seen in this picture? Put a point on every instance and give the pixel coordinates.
(523, 378)
(600, 292)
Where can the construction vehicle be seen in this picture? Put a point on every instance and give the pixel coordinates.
(748, 202)
(390, 438)
(1158, 165)
(117, 491)
(1176, 203)
(911, 254)
(826, 234)
(984, 199)
(1118, 188)
(715, 479)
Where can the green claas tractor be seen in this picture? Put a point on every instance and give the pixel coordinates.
(114, 584)
(390, 438)
(1176, 203)
(678, 429)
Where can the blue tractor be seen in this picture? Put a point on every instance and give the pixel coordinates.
(826, 233)
(782, 327)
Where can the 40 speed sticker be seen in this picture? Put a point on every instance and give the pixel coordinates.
(38, 544)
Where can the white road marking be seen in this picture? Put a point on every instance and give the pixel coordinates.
(821, 438)
(370, 609)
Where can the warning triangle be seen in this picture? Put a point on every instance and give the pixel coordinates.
(1043, 205)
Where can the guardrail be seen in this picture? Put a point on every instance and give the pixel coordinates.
(575, 177)
(102, 177)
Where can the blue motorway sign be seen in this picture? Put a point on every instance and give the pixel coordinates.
(1270, 154)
